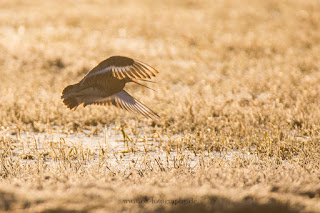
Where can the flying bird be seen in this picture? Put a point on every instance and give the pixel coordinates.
(104, 85)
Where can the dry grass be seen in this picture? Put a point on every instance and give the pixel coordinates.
(238, 95)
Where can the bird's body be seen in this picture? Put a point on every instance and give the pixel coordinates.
(104, 85)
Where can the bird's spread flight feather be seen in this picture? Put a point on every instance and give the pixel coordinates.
(121, 67)
(122, 100)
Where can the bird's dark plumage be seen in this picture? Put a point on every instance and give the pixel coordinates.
(104, 84)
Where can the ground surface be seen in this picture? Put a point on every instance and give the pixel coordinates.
(238, 95)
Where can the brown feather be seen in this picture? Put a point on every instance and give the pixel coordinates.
(121, 67)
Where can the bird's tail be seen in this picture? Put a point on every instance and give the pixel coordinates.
(69, 96)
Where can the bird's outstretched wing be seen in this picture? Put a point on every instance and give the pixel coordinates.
(121, 67)
(122, 100)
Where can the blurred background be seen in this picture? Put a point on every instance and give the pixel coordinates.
(247, 55)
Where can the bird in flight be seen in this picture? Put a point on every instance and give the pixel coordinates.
(104, 84)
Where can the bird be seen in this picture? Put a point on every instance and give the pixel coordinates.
(104, 85)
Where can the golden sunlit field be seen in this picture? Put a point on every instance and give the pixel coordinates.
(238, 93)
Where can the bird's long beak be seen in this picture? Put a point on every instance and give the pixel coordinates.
(142, 84)
(148, 81)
